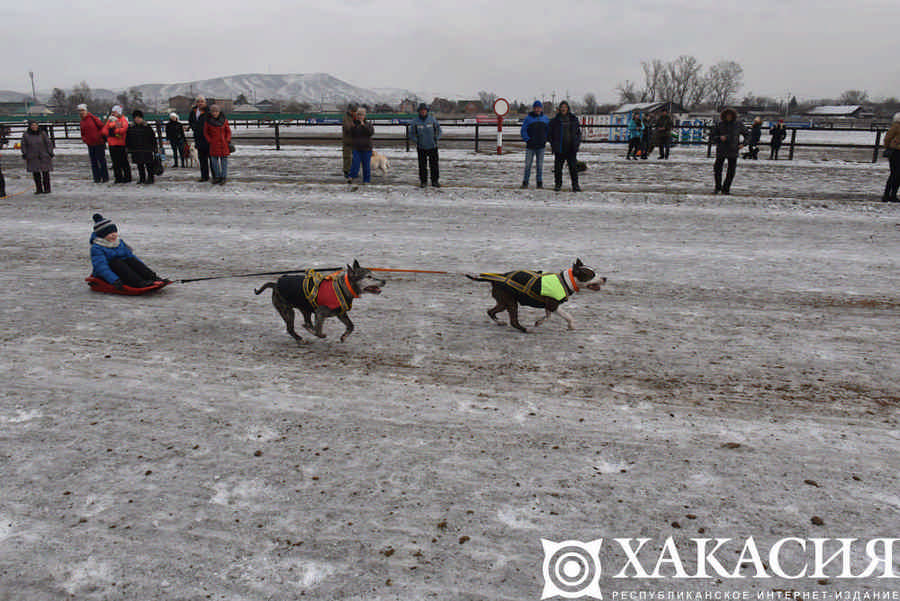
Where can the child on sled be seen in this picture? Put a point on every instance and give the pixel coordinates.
(114, 261)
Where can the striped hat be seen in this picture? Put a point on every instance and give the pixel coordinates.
(103, 226)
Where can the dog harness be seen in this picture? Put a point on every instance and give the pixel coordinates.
(326, 291)
(536, 284)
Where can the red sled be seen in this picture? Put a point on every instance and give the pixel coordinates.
(99, 285)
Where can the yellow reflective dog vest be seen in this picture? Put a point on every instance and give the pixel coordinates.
(551, 286)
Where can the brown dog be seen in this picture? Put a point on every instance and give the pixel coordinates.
(538, 289)
(325, 296)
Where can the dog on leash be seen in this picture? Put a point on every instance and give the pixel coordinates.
(189, 154)
(538, 289)
(324, 296)
(380, 163)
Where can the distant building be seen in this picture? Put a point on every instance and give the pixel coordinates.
(38, 109)
(470, 107)
(246, 108)
(268, 106)
(650, 108)
(226, 105)
(838, 111)
(12, 108)
(407, 106)
(181, 104)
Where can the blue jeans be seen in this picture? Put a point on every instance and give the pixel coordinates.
(219, 166)
(363, 157)
(98, 163)
(530, 155)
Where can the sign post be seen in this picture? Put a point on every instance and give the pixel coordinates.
(501, 107)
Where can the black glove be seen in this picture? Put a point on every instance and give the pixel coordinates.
(118, 284)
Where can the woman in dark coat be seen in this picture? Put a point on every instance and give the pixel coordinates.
(141, 143)
(37, 150)
(726, 135)
(177, 140)
(778, 133)
(565, 139)
(755, 137)
(218, 135)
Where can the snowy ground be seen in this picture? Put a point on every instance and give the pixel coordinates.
(738, 376)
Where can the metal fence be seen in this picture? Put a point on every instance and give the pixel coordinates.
(394, 130)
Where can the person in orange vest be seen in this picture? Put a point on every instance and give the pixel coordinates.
(114, 130)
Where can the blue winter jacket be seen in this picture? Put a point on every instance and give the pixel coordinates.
(535, 130)
(102, 255)
(635, 128)
(425, 132)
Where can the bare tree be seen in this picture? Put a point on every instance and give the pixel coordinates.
(590, 104)
(81, 94)
(487, 99)
(58, 99)
(628, 92)
(854, 97)
(723, 80)
(687, 86)
(656, 80)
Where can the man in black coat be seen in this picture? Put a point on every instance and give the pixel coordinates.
(664, 126)
(565, 139)
(197, 119)
(778, 133)
(141, 143)
(726, 135)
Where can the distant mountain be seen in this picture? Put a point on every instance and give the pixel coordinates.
(315, 88)
(10, 96)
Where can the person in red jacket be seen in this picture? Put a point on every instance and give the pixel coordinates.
(218, 134)
(90, 135)
(114, 131)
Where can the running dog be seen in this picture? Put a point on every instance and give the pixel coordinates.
(380, 163)
(537, 289)
(326, 296)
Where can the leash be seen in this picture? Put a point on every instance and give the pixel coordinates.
(322, 269)
(13, 194)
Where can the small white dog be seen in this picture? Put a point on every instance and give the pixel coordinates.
(191, 151)
(380, 163)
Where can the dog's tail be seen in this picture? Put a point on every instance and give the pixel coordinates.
(264, 286)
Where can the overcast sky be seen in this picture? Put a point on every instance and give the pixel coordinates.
(521, 49)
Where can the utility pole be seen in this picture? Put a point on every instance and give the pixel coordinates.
(33, 92)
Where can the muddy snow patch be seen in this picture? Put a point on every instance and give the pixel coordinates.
(88, 576)
(242, 493)
(518, 518)
(21, 417)
(6, 528)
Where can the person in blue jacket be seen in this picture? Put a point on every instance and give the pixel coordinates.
(635, 134)
(425, 131)
(113, 260)
(535, 131)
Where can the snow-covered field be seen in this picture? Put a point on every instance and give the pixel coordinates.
(738, 376)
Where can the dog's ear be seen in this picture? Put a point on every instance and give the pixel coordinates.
(355, 264)
(578, 263)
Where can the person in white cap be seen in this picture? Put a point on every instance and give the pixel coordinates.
(114, 130)
(91, 126)
(175, 135)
